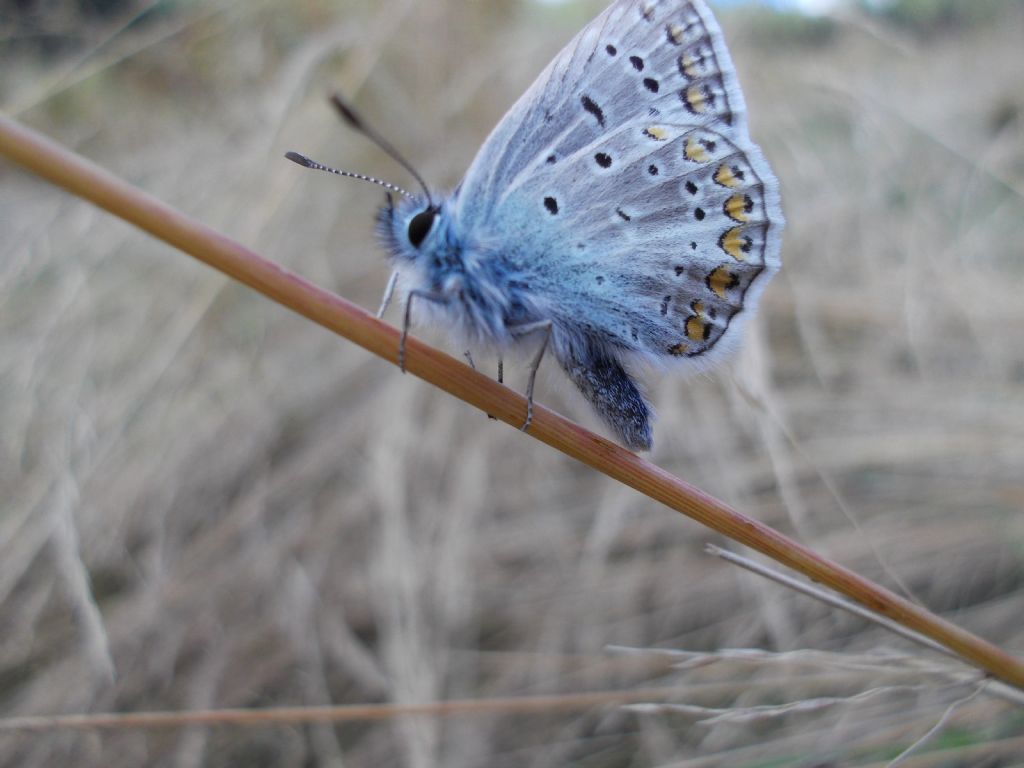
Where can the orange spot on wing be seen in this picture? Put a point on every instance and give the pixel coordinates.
(697, 326)
(695, 151)
(725, 177)
(735, 243)
(678, 350)
(738, 206)
(688, 66)
(695, 99)
(721, 280)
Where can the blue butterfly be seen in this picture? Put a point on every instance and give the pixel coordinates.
(619, 214)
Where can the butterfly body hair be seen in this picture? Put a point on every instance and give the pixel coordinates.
(485, 292)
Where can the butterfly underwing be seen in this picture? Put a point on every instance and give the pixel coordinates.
(619, 214)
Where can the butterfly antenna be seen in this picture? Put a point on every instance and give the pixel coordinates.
(295, 157)
(350, 116)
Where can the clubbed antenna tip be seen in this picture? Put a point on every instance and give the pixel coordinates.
(295, 157)
(305, 162)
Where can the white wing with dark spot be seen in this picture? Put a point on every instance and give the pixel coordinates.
(626, 174)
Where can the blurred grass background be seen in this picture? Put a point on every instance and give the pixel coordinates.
(207, 502)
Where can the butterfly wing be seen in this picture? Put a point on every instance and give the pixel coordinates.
(624, 182)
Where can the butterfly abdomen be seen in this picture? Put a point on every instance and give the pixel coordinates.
(599, 375)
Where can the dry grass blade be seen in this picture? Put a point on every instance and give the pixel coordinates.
(713, 715)
(916, 746)
(819, 594)
(79, 176)
(328, 714)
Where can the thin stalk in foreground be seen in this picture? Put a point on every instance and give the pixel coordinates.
(90, 182)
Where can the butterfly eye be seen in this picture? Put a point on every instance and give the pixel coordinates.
(420, 225)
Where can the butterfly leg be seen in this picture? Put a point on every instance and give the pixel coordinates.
(543, 326)
(501, 366)
(388, 293)
(469, 359)
(437, 298)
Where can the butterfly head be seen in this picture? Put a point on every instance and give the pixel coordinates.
(411, 227)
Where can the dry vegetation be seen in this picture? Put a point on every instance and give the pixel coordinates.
(207, 502)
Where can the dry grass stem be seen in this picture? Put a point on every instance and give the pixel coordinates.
(902, 758)
(83, 178)
(826, 597)
(339, 714)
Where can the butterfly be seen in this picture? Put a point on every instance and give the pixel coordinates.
(618, 215)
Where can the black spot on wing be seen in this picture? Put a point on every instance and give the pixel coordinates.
(592, 107)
